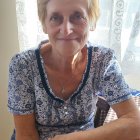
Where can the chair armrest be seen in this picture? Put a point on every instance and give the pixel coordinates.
(101, 112)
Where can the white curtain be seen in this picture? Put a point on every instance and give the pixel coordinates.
(118, 28)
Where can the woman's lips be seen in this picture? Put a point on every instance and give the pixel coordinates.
(67, 39)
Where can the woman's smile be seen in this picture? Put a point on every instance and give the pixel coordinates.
(67, 39)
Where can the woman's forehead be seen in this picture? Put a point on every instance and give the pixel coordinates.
(67, 6)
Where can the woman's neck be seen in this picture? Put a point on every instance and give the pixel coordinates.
(62, 63)
(67, 63)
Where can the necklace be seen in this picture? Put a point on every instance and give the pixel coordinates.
(76, 76)
(63, 87)
(71, 80)
(63, 90)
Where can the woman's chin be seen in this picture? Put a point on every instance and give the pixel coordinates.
(68, 46)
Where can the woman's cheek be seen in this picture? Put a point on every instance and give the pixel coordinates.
(84, 26)
(84, 30)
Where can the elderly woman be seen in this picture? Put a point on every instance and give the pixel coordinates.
(53, 89)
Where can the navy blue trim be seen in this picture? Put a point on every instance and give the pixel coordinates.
(42, 75)
(31, 109)
(124, 97)
(87, 72)
(135, 92)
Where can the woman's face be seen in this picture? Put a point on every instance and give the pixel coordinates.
(67, 25)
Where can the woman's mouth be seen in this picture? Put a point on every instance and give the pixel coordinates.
(67, 39)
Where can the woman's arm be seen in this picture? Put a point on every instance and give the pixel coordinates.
(25, 127)
(127, 127)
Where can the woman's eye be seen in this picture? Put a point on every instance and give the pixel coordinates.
(56, 19)
(77, 19)
(78, 16)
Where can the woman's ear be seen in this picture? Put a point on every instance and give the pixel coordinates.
(93, 27)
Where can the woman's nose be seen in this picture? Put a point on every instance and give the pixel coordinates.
(66, 27)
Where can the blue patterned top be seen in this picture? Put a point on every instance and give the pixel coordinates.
(29, 91)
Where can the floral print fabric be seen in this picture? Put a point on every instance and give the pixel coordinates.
(29, 91)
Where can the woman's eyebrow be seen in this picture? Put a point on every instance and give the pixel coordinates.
(55, 13)
(73, 13)
(78, 12)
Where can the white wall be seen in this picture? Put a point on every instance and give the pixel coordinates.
(8, 47)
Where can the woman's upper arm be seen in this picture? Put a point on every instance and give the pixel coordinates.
(25, 127)
(21, 97)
